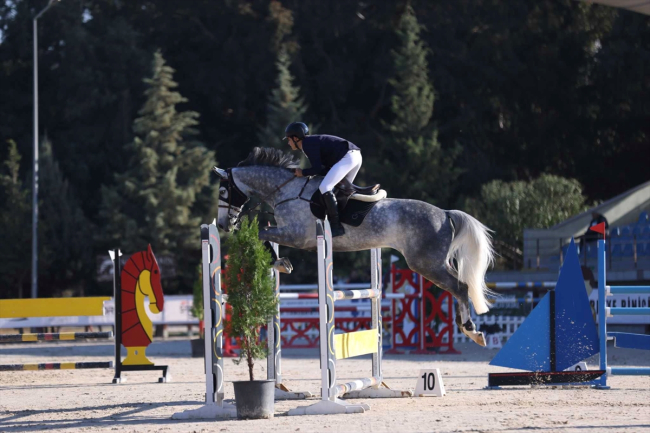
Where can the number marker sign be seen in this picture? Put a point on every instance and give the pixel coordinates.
(430, 383)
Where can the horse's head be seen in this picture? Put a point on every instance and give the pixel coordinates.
(231, 197)
(231, 200)
(156, 297)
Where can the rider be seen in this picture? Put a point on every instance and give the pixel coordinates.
(330, 156)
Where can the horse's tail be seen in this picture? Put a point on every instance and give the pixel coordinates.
(472, 249)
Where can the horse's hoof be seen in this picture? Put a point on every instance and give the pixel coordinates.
(283, 266)
(477, 337)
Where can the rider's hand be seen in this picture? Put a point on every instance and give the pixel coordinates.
(298, 172)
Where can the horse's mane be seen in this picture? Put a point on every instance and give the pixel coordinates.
(270, 157)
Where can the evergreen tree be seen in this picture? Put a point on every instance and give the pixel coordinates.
(412, 102)
(154, 200)
(281, 19)
(284, 104)
(250, 291)
(65, 250)
(414, 164)
(15, 228)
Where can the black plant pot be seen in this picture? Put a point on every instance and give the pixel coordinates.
(198, 348)
(255, 399)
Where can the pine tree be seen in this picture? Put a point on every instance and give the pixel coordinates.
(412, 102)
(250, 291)
(412, 161)
(15, 228)
(153, 201)
(65, 256)
(281, 20)
(284, 104)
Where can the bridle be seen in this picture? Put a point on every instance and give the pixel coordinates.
(237, 199)
(234, 203)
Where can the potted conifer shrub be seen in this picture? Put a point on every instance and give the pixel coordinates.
(198, 344)
(252, 298)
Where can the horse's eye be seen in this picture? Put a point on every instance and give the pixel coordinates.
(223, 192)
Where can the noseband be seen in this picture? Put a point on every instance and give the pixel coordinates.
(236, 199)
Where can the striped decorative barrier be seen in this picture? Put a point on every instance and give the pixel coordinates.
(56, 336)
(522, 285)
(342, 295)
(631, 341)
(56, 366)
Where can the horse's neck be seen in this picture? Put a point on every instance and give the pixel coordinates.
(263, 182)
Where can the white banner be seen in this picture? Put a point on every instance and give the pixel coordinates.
(623, 301)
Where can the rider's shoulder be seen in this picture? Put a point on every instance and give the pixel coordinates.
(322, 138)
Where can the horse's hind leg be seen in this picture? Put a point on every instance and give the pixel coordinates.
(442, 277)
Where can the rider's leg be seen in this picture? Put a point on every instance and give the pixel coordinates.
(356, 160)
(349, 163)
(333, 214)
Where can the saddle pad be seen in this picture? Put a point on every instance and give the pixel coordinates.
(353, 214)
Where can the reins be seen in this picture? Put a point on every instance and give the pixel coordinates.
(231, 184)
(299, 196)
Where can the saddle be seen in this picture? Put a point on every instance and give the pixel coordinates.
(354, 202)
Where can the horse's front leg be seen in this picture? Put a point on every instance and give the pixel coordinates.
(275, 234)
(286, 236)
(280, 264)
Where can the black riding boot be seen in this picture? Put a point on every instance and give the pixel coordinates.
(333, 214)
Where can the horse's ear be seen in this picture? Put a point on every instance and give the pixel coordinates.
(222, 173)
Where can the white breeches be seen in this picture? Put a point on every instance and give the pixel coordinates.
(347, 167)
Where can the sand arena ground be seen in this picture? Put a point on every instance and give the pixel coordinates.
(86, 401)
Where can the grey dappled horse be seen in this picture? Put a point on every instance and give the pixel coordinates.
(429, 238)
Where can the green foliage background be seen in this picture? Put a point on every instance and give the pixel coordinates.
(443, 97)
(510, 207)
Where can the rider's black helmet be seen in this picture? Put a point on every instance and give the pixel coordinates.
(296, 129)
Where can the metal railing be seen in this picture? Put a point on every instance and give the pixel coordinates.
(623, 252)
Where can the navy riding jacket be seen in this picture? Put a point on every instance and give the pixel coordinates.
(323, 152)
